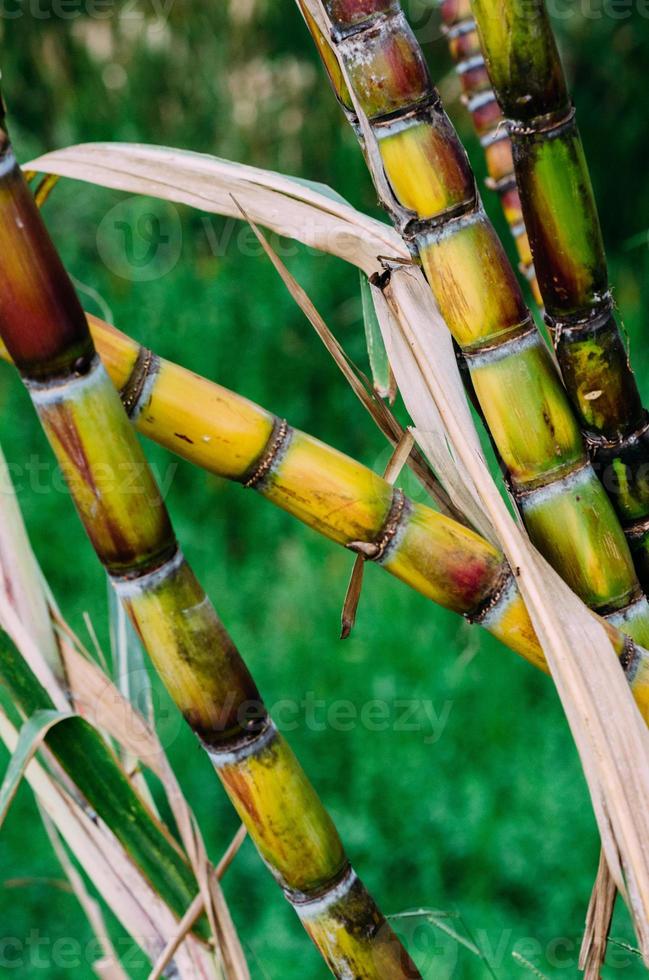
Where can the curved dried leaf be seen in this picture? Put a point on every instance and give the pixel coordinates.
(610, 735)
(137, 906)
(30, 739)
(289, 207)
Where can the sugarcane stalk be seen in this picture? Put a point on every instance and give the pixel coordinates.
(424, 179)
(480, 100)
(566, 241)
(227, 435)
(46, 333)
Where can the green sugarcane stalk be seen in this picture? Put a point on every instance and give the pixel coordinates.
(480, 100)
(426, 184)
(566, 241)
(46, 333)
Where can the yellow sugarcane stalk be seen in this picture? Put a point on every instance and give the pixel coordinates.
(231, 437)
(121, 508)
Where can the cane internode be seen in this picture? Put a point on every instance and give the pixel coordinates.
(489, 123)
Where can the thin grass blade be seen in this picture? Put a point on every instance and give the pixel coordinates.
(32, 734)
(382, 376)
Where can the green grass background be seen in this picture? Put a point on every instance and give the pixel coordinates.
(490, 825)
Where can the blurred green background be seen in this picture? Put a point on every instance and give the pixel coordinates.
(488, 824)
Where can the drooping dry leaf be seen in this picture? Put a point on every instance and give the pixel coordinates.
(99, 701)
(108, 967)
(20, 574)
(284, 205)
(195, 910)
(598, 922)
(611, 737)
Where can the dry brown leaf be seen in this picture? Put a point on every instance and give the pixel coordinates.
(598, 922)
(20, 579)
(98, 700)
(195, 910)
(611, 737)
(282, 204)
(108, 966)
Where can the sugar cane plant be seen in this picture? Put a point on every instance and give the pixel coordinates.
(566, 241)
(46, 333)
(425, 181)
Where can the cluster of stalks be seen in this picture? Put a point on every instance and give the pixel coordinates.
(566, 242)
(424, 180)
(507, 59)
(225, 434)
(47, 335)
(546, 443)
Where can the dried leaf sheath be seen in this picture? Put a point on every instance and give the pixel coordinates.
(46, 333)
(489, 124)
(84, 755)
(565, 237)
(523, 401)
(331, 493)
